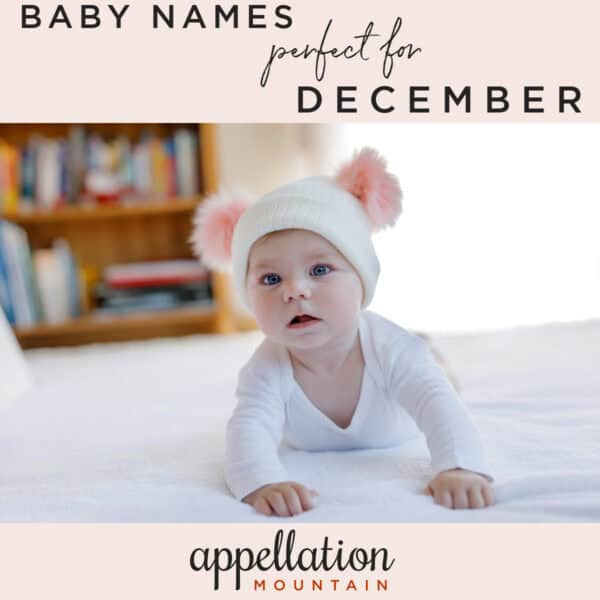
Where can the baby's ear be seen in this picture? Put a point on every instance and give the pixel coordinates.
(367, 178)
(214, 223)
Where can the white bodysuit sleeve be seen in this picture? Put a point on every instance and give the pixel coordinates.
(254, 431)
(423, 390)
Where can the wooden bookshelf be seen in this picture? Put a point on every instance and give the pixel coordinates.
(100, 235)
(89, 329)
(97, 213)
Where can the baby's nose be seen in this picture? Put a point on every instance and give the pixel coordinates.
(296, 289)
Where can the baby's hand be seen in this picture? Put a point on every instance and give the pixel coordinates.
(283, 499)
(459, 488)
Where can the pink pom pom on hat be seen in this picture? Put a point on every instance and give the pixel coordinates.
(214, 222)
(366, 177)
(345, 210)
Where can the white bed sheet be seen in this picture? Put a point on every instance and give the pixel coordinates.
(134, 432)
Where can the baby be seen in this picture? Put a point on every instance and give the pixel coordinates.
(329, 375)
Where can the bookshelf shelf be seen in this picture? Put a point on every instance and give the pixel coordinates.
(137, 231)
(97, 213)
(89, 328)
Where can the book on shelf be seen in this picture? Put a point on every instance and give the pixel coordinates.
(10, 170)
(21, 307)
(6, 302)
(155, 273)
(186, 163)
(38, 287)
(49, 190)
(86, 167)
(157, 285)
(154, 299)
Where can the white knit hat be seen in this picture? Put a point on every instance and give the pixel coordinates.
(316, 204)
(363, 197)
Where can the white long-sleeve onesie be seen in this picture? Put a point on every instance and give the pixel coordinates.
(403, 390)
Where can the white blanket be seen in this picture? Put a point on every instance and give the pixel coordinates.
(135, 432)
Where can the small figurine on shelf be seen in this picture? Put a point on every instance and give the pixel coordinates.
(102, 187)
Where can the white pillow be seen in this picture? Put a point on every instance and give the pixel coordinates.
(15, 378)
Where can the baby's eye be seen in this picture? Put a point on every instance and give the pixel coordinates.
(320, 270)
(270, 279)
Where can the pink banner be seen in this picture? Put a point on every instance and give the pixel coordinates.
(300, 61)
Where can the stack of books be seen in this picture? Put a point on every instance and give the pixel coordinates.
(38, 287)
(87, 168)
(150, 286)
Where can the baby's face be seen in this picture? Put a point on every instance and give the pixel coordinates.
(303, 292)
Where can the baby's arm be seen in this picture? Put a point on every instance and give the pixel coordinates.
(253, 470)
(461, 479)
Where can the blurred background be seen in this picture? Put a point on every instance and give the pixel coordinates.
(499, 224)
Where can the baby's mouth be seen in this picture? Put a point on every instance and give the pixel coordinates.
(302, 321)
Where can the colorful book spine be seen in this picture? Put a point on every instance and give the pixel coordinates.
(48, 174)
(51, 284)
(142, 172)
(26, 266)
(158, 169)
(9, 177)
(171, 168)
(27, 176)
(186, 156)
(70, 275)
(158, 273)
(6, 300)
(15, 257)
(125, 167)
(75, 163)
